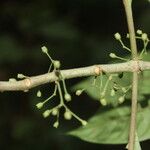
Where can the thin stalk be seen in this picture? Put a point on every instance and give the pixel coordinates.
(132, 131)
(128, 10)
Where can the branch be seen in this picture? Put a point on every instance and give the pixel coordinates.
(31, 82)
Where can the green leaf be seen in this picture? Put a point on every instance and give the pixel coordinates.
(111, 126)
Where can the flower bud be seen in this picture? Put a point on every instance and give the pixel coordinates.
(67, 115)
(128, 35)
(117, 36)
(84, 123)
(124, 89)
(39, 105)
(112, 55)
(20, 76)
(46, 113)
(79, 92)
(56, 64)
(112, 93)
(121, 99)
(39, 94)
(67, 97)
(139, 32)
(144, 36)
(103, 101)
(56, 124)
(44, 49)
(54, 111)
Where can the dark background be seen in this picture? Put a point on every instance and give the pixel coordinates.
(78, 33)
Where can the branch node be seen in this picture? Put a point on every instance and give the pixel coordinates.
(27, 82)
(97, 70)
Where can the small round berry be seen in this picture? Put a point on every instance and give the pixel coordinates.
(67, 115)
(56, 64)
(67, 97)
(39, 105)
(117, 36)
(54, 111)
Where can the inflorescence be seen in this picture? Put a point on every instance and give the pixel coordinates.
(64, 96)
(104, 86)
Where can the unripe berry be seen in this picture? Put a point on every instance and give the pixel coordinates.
(67, 115)
(67, 97)
(39, 105)
(44, 49)
(117, 36)
(56, 64)
(54, 111)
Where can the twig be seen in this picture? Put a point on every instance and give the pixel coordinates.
(31, 82)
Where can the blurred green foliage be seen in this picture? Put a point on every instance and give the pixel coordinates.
(78, 33)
